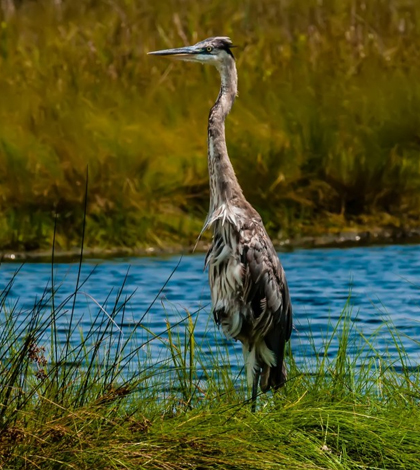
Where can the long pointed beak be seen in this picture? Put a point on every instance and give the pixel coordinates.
(180, 52)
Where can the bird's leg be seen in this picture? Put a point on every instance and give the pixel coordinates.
(257, 374)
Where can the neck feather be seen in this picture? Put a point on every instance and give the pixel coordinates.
(224, 187)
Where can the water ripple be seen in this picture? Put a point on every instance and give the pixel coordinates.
(378, 283)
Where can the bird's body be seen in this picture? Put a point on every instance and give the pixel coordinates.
(250, 296)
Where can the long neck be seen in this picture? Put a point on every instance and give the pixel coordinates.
(224, 186)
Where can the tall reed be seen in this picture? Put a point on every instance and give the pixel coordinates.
(107, 396)
(324, 133)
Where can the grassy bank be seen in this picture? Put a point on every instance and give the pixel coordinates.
(104, 401)
(324, 134)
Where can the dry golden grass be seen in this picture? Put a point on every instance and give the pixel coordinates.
(324, 134)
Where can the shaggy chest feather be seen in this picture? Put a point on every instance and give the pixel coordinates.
(226, 279)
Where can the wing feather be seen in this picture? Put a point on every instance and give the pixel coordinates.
(266, 290)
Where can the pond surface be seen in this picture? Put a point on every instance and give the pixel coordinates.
(379, 285)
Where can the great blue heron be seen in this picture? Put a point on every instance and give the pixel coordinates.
(250, 296)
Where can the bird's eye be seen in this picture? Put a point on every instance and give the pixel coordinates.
(209, 48)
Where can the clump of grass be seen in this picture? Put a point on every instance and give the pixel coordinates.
(100, 398)
(324, 134)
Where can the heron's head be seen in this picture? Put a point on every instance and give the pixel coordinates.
(213, 51)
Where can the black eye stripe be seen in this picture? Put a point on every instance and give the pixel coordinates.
(209, 49)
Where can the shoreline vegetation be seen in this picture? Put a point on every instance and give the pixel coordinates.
(325, 140)
(100, 399)
(340, 240)
(324, 135)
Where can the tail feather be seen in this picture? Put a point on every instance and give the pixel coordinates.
(278, 376)
(275, 376)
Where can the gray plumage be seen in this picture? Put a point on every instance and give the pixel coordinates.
(250, 296)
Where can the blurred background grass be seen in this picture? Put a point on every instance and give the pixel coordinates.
(324, 136)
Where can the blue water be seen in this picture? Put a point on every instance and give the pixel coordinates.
(379, 284)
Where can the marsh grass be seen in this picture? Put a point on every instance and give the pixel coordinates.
(324, 134)
(104, 397)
